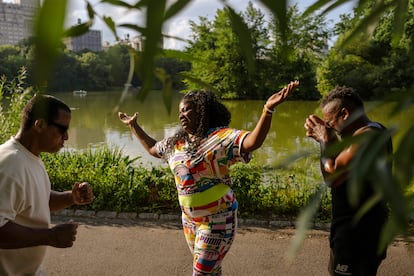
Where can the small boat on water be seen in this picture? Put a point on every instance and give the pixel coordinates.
(80, 92)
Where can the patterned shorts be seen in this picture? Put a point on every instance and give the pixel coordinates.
(209, 239)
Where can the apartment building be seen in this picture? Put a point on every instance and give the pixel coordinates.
(16, 20)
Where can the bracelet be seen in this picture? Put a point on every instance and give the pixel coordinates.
(268, 110)
(267, 114)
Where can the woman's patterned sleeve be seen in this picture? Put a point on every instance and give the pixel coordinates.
(160, 147)
(237, 145)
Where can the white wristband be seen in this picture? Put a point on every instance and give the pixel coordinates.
(268, 109)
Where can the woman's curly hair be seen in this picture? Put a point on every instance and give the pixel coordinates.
(210, 113)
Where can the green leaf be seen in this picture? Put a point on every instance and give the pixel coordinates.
(303, 222)
(400, 17)
(198, 81)
(367, 24)
(155, 15)
(77, 30)
(322, 3)
(278, 9)
(404, 159)
(119, 3)
(48, 32)
(166, 87)
(372, 147)
(91, 11)
(133, 27)
(317, 5)
(109, 22)
(175, 8)
(243, 33)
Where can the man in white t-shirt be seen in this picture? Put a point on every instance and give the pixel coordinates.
(26, 198)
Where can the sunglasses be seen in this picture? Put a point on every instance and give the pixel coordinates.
(62, 129)
(328, 126)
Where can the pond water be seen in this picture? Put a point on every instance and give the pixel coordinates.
(95, 123)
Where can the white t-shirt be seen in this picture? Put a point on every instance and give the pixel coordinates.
(24, 199)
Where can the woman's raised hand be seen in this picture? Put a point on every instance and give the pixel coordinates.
(126, 119)
(278, 97)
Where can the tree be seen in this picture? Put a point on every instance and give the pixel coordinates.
(96, 74)
(300, 51)
(374, 64)
(11, 60)
(222, 63)
(117, 57)
(66, 74)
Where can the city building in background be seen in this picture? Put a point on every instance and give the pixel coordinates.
(92, 41)
(16, 20)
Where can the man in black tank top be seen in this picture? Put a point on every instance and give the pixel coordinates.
(354, 241)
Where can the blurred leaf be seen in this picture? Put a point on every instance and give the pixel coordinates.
(198, 81)
(400, 17)
(133, 27)
(176, 38)
(119, 3)
(391, 229)
(303, 222)
(317, 5)
(405, 102)
(243, 33)
(292, 158)
(128, 83)
(48, 32)
(111, 25)
(166, 87)
(278, 9)
(367, 24)
(371, 149)
(153, 38)
(367, 205)
(180, 55)
(78, 30)
(91, 11)
(404, 159)
(175, 8)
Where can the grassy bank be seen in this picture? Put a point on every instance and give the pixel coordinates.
(121, 184)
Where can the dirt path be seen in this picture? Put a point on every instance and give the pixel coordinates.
(159, 249)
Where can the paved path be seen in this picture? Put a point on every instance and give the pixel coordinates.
(153, 248)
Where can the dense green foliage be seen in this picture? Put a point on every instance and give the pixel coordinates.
(221, 62)
(85, 70)
(13, 97)
(374, 64)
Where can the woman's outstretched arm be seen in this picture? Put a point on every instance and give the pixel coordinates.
(146, 141)
(256, 138)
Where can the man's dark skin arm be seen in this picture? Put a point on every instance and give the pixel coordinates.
(334, 167)
(13, 236)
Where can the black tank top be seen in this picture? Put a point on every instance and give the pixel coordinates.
(341, 207)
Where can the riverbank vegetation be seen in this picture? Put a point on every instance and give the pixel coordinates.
(121, 184)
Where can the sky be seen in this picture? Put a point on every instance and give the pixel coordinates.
(178, 25)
